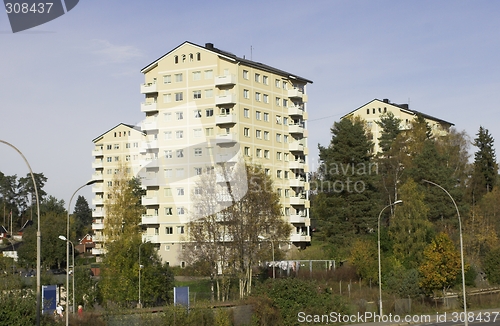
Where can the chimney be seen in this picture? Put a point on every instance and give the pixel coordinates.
(385, 100)
(209, 46)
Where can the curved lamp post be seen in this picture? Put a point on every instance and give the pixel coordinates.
(379, 268)
(139, 305)
(38, 235)
(272, 245)
(461, 247)
(67, 251)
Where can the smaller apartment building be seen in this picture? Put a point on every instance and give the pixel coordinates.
(371, 112)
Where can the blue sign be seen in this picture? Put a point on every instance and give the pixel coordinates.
(181, 296)
(49, 298)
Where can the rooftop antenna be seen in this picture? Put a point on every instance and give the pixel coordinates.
(408, 102)
(251, 53)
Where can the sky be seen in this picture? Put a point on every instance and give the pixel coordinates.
(66, 82)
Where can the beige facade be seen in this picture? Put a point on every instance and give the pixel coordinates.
(371, 112)
(119, 145)
(204, 107)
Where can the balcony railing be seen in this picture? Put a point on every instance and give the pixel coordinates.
(297, 201)
(149, 88)
(97, 201)
(225, 99)
(295, 129)
(149, 125)
(225, 80)
(149, 107)
(98, 251)
(296, 146)
(97, 152)
(150, 219)
(153, 238)
(151, 200)
(296, 165)
(296, 110)
(295, 93)
(226, 119)
(227, 138)
(302, 237)
(298, 219)
(296, 183)
(97, 226)
(98, 164)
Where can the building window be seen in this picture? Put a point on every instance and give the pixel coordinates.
(117, 158)
(167, 79)
(168, 135)
(367, 111)
(277, 82)
(180, 229)
(196, 75)
(179, 115)
(209, 131)
(287, 194)
(209, 93)
(180, 153)
(197, 132)
(265, 80)
(246, 132)
(167, 98)
(258, 134)
(178, 78)
(169, 230)
(267, 171)
(197, 114)
(167, 116)
(257, 115)
(178, 97)
(247, 151)
(245, 74)
(246, 113)
(179, 173)
(168, 192)
(180, 191)
(286, 174)
(257, 96)
(209, 112)
(285, 103)
(180, 210)
(198, 191)
(196, 95)
(278, 174)
(258, 152)
(197, 152)
(278, 119)
(198, 56)
(285, 121)
(266, 98)
(168, 173)
(278, 138)
(209, 74)
(257, 78)
(286, 157)
(266, 154)
(246, 93)
(176, 59)
(179, 134)
(266, 135)
(168, 210)
(278, 156)
(198, 171)
(109, 147)
(117, 146)
(279, 192)
(168, 154)
(278, 101)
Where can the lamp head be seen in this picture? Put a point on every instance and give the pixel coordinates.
(398, 202)
(62, 237)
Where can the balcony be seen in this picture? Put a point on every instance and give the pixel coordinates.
(225, 80)
(301, 237)
(296, 146)
(98, 187)
(149, 125)
(149, 181)
(97, 152)
(296, 165)
(226, 119)
(97, 201)
(98, 164)
(225, 99)
(226, 138)
(295, 129)
(98, 213)
(221, 178)
(297, 201)
(98, 251)
(97, 177)
(149, 107)
(98, 238)
(296, 110)
(97, 226)
(295, 93)
(150, 200)
(153, 238)
(298, 219)
(150, 219)
(223, 158)
(149, 88)
(152, 144)
(150, 163)
(296, 183)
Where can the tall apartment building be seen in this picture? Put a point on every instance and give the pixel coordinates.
(205, 107)
(371, 112)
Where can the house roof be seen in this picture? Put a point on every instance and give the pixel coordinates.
(402, 107)
(210, 47)
(120, 124)
(3, 229)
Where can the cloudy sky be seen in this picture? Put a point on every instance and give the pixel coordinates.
(68, 81)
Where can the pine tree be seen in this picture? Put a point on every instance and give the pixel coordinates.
(390, 130)
(82, 217)
(485, 166)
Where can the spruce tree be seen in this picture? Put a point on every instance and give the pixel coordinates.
(485, 165)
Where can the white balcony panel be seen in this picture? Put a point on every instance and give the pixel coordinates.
(225, 80)
(300, 238)
(295, 129)
(149, 88)
(98, 251)
(153, 200)
(152, 144)
(98, 188)
(295, 110)
(296, 146)
(225, 99)
(296, 183)
(295, 93)
(151, 163)
(99, 164)
(297, 219)
(150, 219)
(97, 201)
(153, 238)
(98, 238)
(297, 201)
(98, 213)
(150, 181)
(97, 226)
(227, 138)
(97, 177)
(221, 158)
(226, 119)
(149, 125)
(296, 165)
(149, 107)
(97, 152)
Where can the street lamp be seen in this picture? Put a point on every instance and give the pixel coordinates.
(67, 250)
(379, 268)
(139, 305)
(272, 246)
(63, 238)
(38, 236)
(461, 247)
